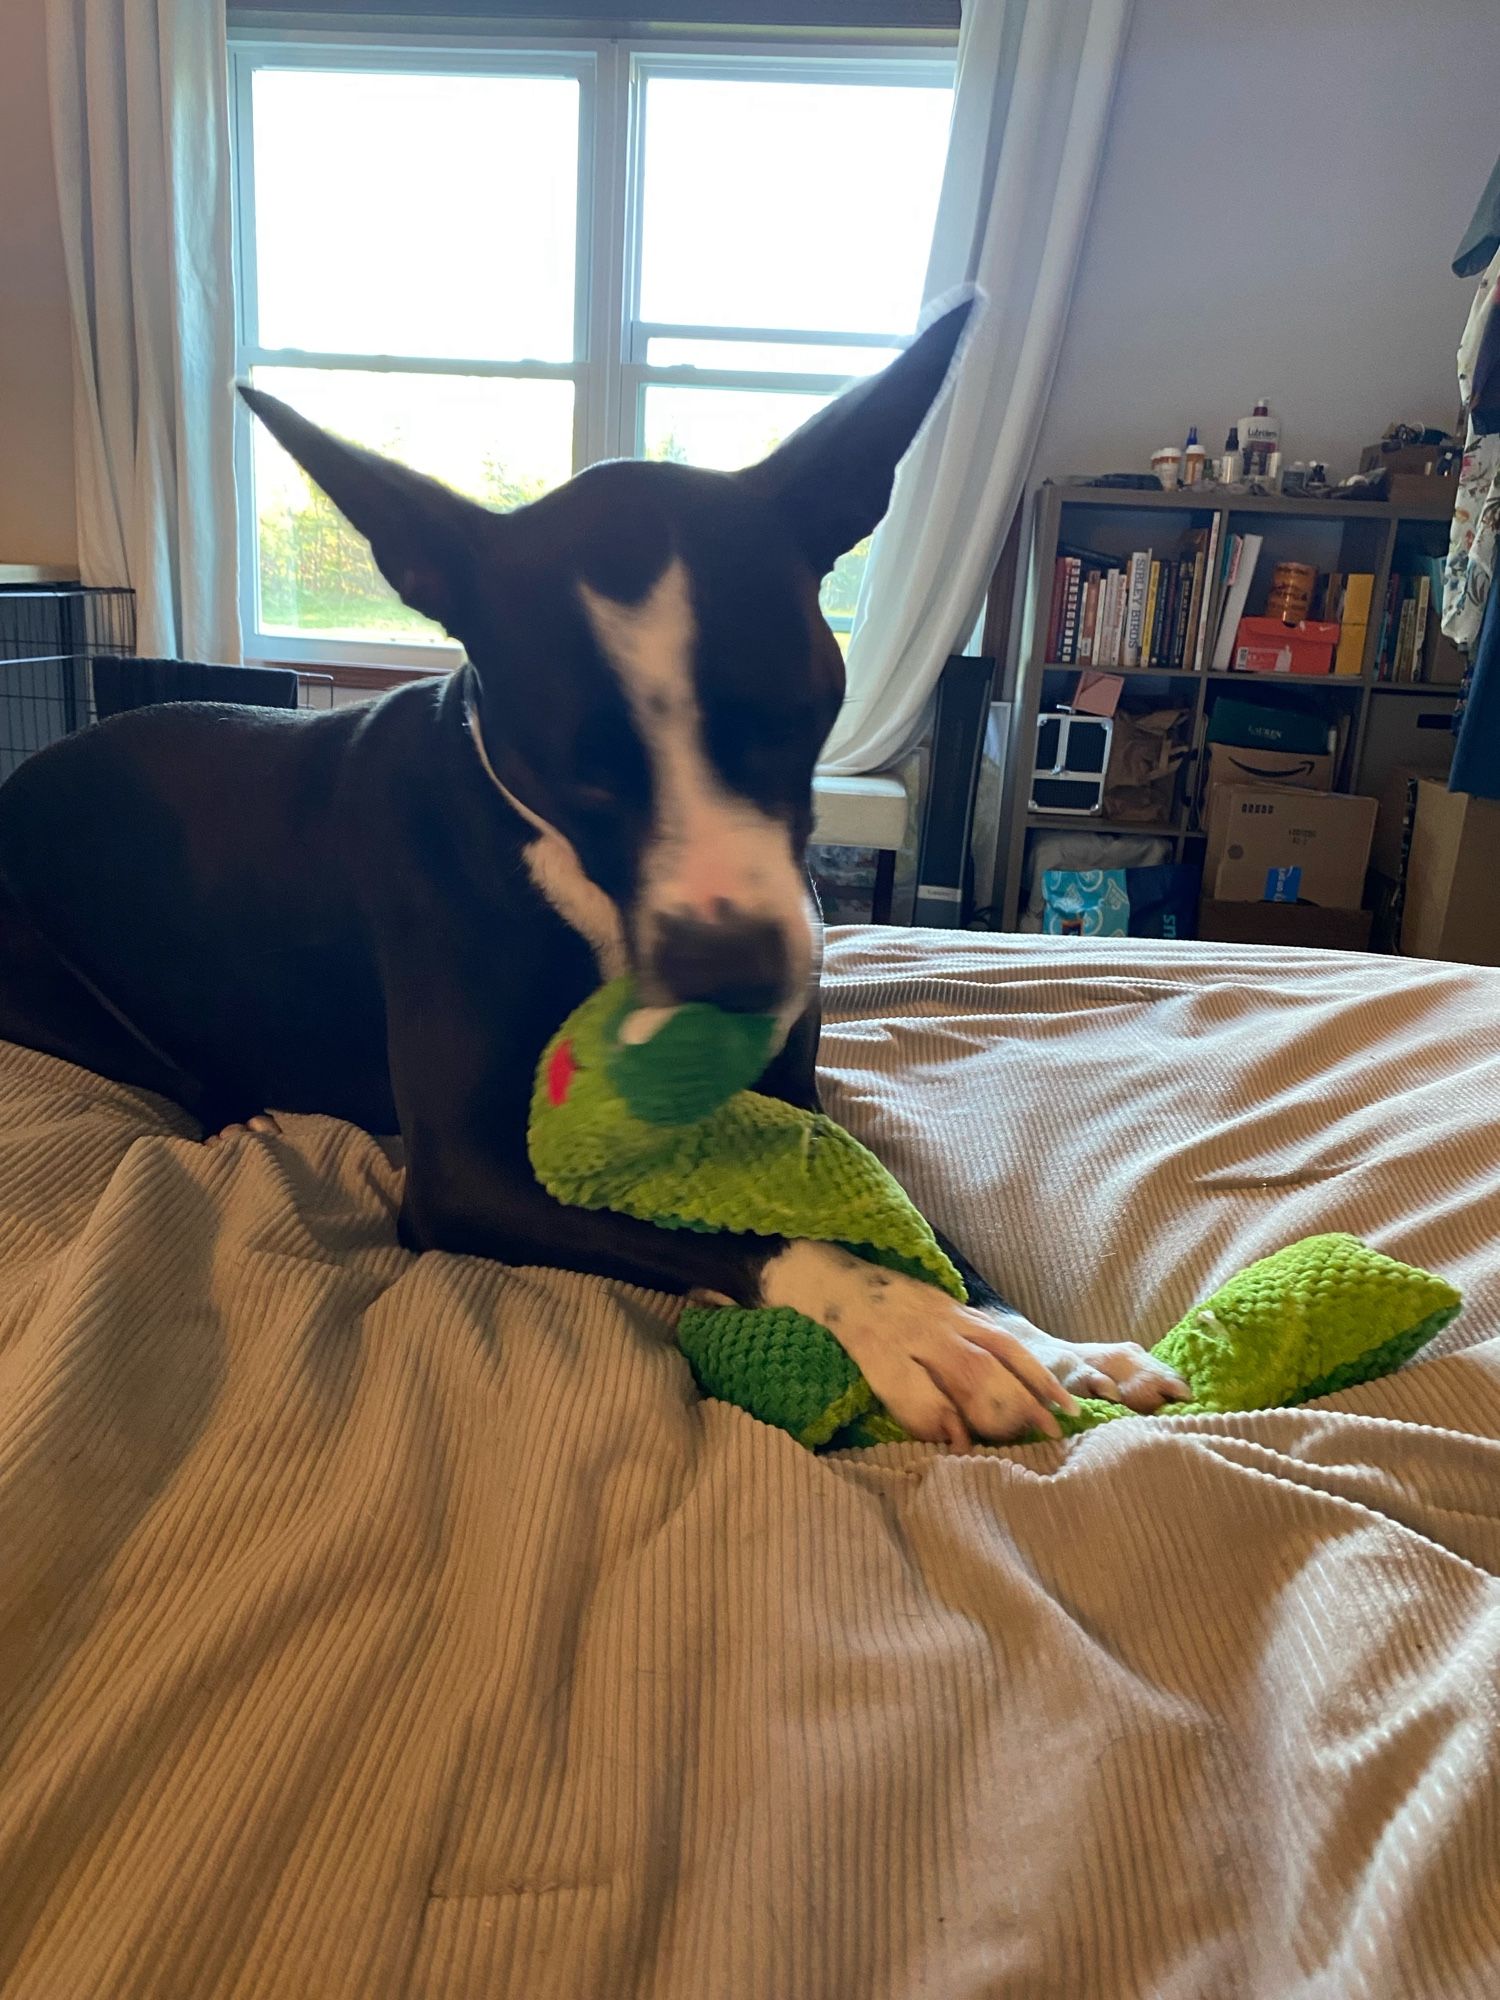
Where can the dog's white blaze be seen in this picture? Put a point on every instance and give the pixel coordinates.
(707, 848)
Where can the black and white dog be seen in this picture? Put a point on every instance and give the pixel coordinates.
(382, 912)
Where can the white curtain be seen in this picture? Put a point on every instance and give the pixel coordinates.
(140, 122)
(1030, 113)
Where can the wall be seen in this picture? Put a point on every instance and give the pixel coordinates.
(1282, 192)
(36, 410)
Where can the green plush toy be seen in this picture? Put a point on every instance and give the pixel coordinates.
(666, 1129)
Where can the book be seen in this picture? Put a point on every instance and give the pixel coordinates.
(1148, 616)
(1088, 620)
(1355, 598)
(1054, 615)
(1244, 553)
(1171, 581)
(1101, 619)
(1183, 609)
(1171, 614)
(1405, 624)
(1107, 649)
(1189, 655)
(1210, 575)
(1385, 647)
(1067, 638)
(1423, 602)
(1135, 610)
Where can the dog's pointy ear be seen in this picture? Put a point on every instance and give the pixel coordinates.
(420, 532)
(832, 478)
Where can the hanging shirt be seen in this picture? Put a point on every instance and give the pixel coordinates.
(1476, 513)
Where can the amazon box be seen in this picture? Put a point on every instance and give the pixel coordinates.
(1231, 764)
(1279, 844)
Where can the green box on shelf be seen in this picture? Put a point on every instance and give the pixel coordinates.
(1250, 725)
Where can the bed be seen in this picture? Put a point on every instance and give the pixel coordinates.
(379, 1626)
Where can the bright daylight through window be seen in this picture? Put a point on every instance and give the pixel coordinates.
(502, 267)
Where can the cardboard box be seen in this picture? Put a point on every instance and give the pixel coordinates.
(1283, 923)
(1413, 475)
(1227, 764)
(1452, 904)
(1267, 646)
(1276, 844)
(1442, 662)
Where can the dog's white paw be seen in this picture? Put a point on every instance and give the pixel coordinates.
(263, 1121)
(944, 1371)
(1120, 1371)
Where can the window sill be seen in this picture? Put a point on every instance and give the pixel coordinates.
(367, 678)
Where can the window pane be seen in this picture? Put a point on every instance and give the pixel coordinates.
(503, 442)
(727, 428)
(421, 215)
(795, 204)
(721, 428)
(767, 356)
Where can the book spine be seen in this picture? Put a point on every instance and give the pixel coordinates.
(1403, 640)
(1210, 571)
(1135, 608)
(1388, 630)
(1068, 638)
(1054, 616)
(1101, 623)
(1088, 622)
(1114, 619)
(1234, 555)
(1185, 609)
(1148, 616)
(1169, 614)
(1419, 628)
(1195, 607)
(1172, 582)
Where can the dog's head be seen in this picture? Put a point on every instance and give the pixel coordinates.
(656, 679)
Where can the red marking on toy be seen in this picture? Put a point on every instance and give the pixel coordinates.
(560, 1073)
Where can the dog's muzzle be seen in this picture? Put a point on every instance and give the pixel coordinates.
(738, 962)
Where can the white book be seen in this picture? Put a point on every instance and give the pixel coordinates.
(1244, 554)
(1117, 620)
(1107, 640)
(1198, 642)
(1135, 607)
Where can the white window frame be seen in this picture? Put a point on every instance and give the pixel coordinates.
(609, 370)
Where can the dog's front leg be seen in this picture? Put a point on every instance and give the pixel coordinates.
(946, 1372)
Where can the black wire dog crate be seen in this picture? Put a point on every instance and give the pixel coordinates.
(50, 636)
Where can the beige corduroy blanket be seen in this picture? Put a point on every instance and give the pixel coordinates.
(375, 1627)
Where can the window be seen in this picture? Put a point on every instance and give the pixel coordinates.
(502, 265)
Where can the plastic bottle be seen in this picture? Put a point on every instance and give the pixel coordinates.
(1260, 435)
(1232, 464)
(1194, 458)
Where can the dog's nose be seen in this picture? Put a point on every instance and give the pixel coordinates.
(732, 961)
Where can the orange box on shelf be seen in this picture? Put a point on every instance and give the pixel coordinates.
(1266, 646)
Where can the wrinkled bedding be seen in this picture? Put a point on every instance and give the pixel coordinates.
(381, 1626)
